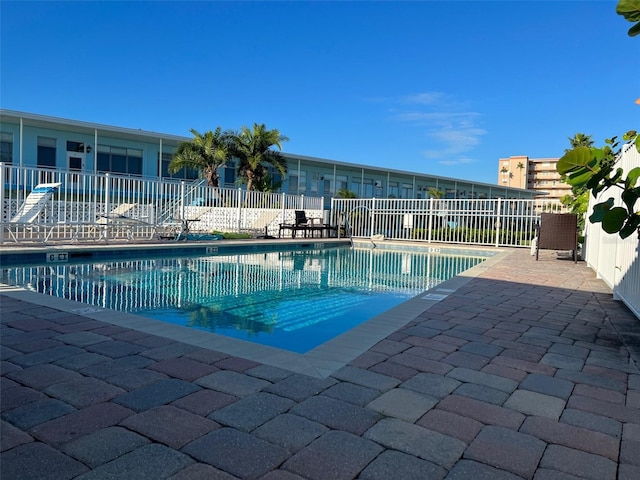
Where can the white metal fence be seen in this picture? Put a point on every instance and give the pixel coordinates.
(615, 260)
(85, 197)
(496, 222)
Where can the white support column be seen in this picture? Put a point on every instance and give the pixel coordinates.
(160, 161)
(20, 154)
(95, 150)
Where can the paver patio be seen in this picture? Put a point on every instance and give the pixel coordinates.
(519, 373)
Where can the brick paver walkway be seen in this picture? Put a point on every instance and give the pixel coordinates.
(518, 374)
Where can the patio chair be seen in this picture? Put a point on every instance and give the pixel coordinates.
(300, 224)
(179, 227)
(558, 231)
(305, 225)
(119, 220)
(263, 221)
(28, 213)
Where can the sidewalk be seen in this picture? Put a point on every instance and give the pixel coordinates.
(520, 373)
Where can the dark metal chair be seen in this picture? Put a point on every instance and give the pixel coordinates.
(558, 231)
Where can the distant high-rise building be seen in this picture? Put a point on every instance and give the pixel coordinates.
(537, 174)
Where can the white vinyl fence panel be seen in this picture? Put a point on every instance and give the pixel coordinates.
(615, 260)
(83, 199)
(495, 222)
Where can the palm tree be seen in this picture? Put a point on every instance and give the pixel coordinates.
(206, 152)
(435, 193)
(520, 167)
(346, 193)
(252, 147)
(580, 140)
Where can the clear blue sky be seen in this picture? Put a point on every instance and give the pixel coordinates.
(445, 88)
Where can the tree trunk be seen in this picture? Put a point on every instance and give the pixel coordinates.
(250, 176)
(212, 177)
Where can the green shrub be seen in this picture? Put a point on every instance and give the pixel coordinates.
(233, 235)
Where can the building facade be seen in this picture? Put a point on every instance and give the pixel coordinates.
(33, 140)
(537, 174)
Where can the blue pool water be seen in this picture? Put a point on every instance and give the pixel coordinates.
(295, 300)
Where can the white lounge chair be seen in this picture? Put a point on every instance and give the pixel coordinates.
(261, 225)
(179, 228)
(119, 220)
(28, 215)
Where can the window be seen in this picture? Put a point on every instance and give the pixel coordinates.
(229, 173)
(182, 174)
(75, 147)
(119, 160)
(355, 187)
(377, 186)
(46, 152)
(327, 185)
(367, 188)
(6, 147)
(407, 190)
(302, 182)
(297, 182)
(315, 182)
(394, 190)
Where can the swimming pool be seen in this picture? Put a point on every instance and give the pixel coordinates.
(292, 300)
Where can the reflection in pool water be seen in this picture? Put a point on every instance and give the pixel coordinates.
(295, 300)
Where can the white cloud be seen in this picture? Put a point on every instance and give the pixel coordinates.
(426, 98)
(458, 161)
(449, 127)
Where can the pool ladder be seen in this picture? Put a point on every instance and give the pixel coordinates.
(348, 225)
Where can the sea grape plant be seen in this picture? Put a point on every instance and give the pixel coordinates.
(594, 168)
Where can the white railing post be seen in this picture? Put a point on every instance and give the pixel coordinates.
(430, 221)
(239, 210)
(182, 206)
(498, 223)
(284, 206)
(2, 199)
(371, 216)
(107, 201)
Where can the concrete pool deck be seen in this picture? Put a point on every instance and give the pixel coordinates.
(521, 369)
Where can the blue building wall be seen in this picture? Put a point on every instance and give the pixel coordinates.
(306, 175)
